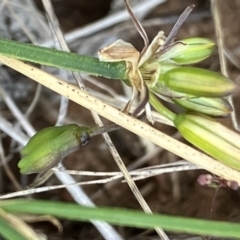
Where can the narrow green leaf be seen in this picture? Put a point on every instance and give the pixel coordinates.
(14, 228)
(9, 232)
(124, 217)
(61, 59)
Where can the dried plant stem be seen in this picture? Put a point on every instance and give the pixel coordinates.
(7, 169)
(222, 57)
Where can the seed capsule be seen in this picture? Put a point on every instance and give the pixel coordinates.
(187, 51)
(217, 107)
(196, 51)
(211, 137)
(198, 82)
(50, 146)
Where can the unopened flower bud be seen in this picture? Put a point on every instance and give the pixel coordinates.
(198, 82)
(217, 107)
(196, 51)
(210, 136)
(187, 51)
(49, 146)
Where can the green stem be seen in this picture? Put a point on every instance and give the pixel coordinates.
(60, 59)
(160, 108)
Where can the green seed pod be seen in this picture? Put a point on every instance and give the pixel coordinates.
(217, 107)
(211, 137)
(186, 51)
(196, 51)
(50, 146)
(198, 82)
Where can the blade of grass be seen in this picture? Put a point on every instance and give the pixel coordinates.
(9, 232)
(13, 228)
(123, 217)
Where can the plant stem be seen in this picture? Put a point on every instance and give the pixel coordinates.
(99, 130)
(61, 59)
(160, 108)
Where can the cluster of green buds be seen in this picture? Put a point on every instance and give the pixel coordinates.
(200, 92)
(162, 67)
(192, 88)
